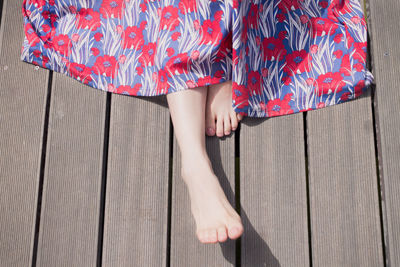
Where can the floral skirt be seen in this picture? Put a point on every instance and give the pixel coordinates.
(282, 56)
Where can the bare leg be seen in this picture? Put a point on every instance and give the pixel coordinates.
(220, 116)
(215, 218)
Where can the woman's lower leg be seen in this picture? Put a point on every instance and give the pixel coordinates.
(187, 109)
(215, 218)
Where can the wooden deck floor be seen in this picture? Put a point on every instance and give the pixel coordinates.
(92, 179)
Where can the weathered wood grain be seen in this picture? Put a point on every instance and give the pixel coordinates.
(385, 37)
(23, 90)
(136, 215)
(273, 193)
(73, 172)
(343, 186)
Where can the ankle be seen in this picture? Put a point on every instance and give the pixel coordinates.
(193, 167)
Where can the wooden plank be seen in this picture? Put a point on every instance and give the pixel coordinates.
(22, 112)
(72, 184)
(343, 185)
(385, 37)
(273, 195)
(136, 215)
(186, 249)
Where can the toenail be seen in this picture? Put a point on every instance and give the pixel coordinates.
(234, 230)
(210, 130)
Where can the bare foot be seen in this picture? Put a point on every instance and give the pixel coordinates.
(220, 116)
(216, 220)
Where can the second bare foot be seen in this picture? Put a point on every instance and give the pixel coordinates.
(216, 219)
(220, 117)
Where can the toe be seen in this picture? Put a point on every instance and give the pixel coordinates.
(227, 125)
(220, 127)
(201, 236)
(234, 121)
(239, 116)
(212, 236)
(210, 124)
(235, 231)
(222, 236)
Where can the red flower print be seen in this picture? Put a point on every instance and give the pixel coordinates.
(187, 6)
(46, 27)
(132, 38)
(323, 4)
(169, 18)
(128, 90)
(80, 72)
(112, 8)
(44, 61)
(279, 107)
(338, 53)
(304, 19)
(195, 55)
(75, 37)
(329, 82)
(252, 19)
(31, 35)
(170, 51)
(298, 62)
(162, 82)
(345, 67)
(47, 39)
(211, 32)
(273, 49)
(314, 49)
(224, 48)
(340, 7)
(281, 17)
(148, 53)
(105, 65)
(254, 82)
(288, 5)
(359, 67)
(95, 51)
(207, 80)
(218, 15)
(245, 29)
(46, 14)
(97, 36)
(240, 95)
(345, 96)
(178, 64)
(139, 70)
(287, 80)
(358, 89)
(322, 27)
(360, 51)
(36, 53)
(87, 19)
(62, 44)
(175, 36)
(302, 110)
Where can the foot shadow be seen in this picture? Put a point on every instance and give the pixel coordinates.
(257, 252)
